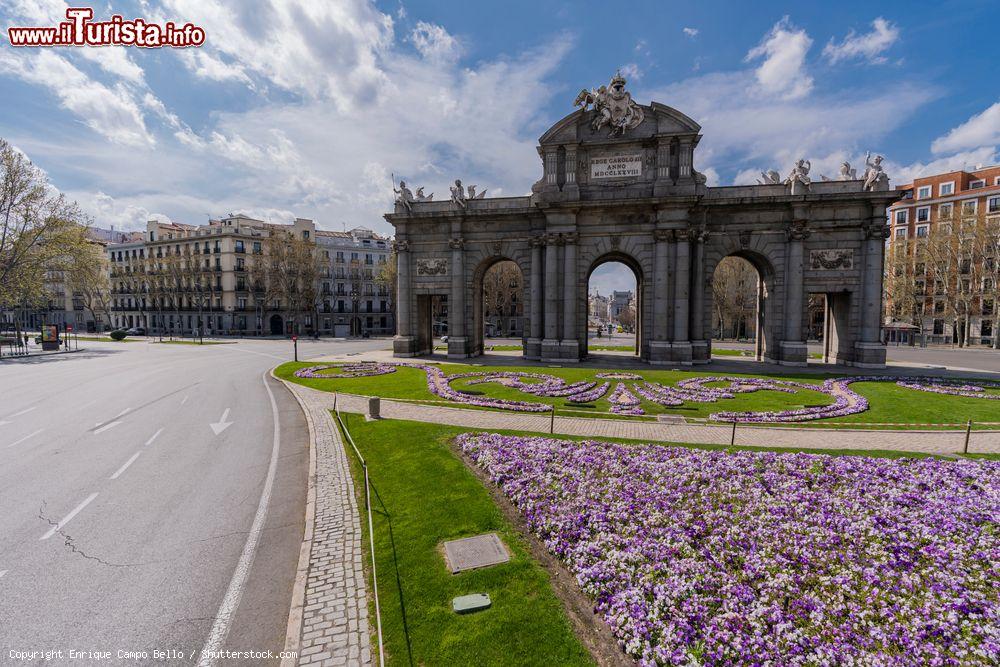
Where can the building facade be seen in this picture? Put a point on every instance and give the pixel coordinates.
(190, 279)
(931, 275)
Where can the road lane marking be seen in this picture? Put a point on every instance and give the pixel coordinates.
(18, 414)
(30, 435)
(221, 425)
(223, 619)
(127, 464)
(66, 519)
(2, 572)
(153, 437)
(123, 412)
(184, 400)
(106, 427)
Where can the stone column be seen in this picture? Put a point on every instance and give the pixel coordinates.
(699, 344)
(457, 335)
(570, 344)
(682, 289)
(659, 348)
(793, 347)
(534, 347)
(869, 351)
(550, 344)
(403, 343)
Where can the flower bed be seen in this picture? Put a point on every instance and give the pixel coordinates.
(357, 370)
(624, 402)
(716, 558)
(967, 388)
(618, 376)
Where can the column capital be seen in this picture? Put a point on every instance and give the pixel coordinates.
(877, 231)
(401, 246)
(684, 235)
(537, 241)
(797, 231)
(457, 243)
(660, 235)
(570, 238)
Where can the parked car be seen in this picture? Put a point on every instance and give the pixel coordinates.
(135, 331)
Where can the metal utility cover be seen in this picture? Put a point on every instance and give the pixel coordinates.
(474, 552)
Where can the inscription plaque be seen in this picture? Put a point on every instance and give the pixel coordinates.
(471, 553)
(616, 165)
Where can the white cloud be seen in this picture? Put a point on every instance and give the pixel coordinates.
(691, 32)
(631, 72)
(901, 174)
(983, 129)
(866, 46)
(109, 110)
(782, 72)
(434, 43)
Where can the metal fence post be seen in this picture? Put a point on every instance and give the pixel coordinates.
(552, 421)
(732, 438)
(968, 432)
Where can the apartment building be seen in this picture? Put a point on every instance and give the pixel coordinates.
(219, 297)
(967, 203)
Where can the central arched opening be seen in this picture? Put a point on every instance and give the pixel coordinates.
(739, 293)
(614, 307)
(498, 309)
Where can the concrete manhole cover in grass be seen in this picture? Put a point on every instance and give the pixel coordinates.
(474, 552)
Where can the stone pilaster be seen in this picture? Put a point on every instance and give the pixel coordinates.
(534, 344)
(403, 344)
(869, 351)
(458, 342)
(550, 344)
(793, 348)
(570, 346)
(681, 348)
(659, 348)
(699, 344)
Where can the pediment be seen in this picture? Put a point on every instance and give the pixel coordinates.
(660, 119)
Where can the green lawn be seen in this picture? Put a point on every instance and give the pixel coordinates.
(888, 402)
(107, 339)
(725, 352)
(426, 495)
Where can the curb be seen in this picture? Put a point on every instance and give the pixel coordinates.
(293, 631)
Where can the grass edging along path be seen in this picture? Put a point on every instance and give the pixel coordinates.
(907, 409)
(423, 495)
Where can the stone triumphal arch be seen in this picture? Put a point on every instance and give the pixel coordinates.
(618, 183)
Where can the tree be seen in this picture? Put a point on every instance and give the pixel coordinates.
(387, 275)
(285, 276)
(734, 296)
(501, 287)
(40, 230)
(88, 278)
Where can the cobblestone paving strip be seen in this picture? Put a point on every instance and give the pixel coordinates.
(334, 626)
(924, 442)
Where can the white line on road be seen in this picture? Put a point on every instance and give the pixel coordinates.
(30, 435)
(68, 517)
(221, 425)
(2, 572)
(224, 617)
(123, 412)
(153, 437)
(125, 467)
(184, 400)
(18, 414)
(106, 427)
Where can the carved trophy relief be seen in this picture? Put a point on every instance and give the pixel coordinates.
(437, 266)
(831, 259)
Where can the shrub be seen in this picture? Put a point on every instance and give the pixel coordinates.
(117, 334)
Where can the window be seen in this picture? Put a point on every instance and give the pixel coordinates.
(305, 234)
(239, 246)
(996, 181)
(902, 216)
(938, 327)
(993, 205)
(969, 206)
(240, 264)
(946, 188)
(975, 185)
(256, 247)
(923, 214)
(945, 210)
(924, 192)
(922, 231)
(901, 232)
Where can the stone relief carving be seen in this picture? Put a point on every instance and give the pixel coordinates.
(432, 267)
(456, 243)
(497, 247)
(401, 246)
(799, 175)
(769, 177)
(875, 176)
(613, 107)
(798, 231)
(830, 260)
(744, 239)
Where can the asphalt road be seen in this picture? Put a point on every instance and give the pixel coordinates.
(127, 523)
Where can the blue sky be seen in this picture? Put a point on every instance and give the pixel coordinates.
(305, 108)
